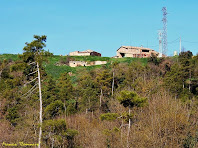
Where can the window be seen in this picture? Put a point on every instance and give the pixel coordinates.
(144, 50)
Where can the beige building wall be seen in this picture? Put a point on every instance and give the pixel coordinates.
(77, 53)
(83, 63)
(77, 63)
(100, 62)
(85, 53)
(73, 53)
(130, 51)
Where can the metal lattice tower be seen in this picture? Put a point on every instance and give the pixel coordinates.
(164, 34)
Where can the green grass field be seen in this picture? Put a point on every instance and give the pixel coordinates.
(55, 71)
(12, 57)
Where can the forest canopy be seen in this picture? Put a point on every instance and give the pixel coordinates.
(120, 104)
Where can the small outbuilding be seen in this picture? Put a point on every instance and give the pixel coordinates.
(83, 63)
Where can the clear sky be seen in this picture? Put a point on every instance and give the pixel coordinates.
(100, 25)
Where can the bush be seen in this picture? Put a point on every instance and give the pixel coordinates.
(12, 116)
(109, 116)
(54, 109)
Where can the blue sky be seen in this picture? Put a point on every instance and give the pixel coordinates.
(100, 25)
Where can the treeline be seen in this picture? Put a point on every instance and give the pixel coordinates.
(117, 105)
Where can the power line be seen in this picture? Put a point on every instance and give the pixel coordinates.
(171, 42)
(174, 41)
(32, 80)
(190, 42)
(30, 90)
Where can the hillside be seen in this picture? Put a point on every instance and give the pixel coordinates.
(55, 71)
(128, 102)
(13, 57)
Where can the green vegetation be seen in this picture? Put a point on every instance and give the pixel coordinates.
(128, 102)
(55, 71)
(109, 116)
(12, 57)
(52, 68)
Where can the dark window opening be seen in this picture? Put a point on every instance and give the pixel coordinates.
(145, 50)
(122, 54)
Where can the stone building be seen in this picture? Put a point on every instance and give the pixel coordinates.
(135, 52)
(85, 53)
(83, 63)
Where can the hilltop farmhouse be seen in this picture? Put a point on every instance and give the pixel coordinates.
(135, 52)
(85, 53)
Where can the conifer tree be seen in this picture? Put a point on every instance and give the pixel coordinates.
(103, 80)
(130, 99)
(88, 92)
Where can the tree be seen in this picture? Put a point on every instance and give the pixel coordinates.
(34, 51)
(109, 116)
(133, 74)
(54, 109)
(12, 115)
(185, 59)
(65, 87)
(194, 80)
(103, 80)
(110, 132)
(130, 99)
(88, 92)
(56, 133)
(49, 91)
(65, 93)
(174, 80)
(180, 75)
(114, 70)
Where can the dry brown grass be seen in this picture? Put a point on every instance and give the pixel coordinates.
(164, 122)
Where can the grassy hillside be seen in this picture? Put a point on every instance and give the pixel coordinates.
(55, 71)
(13, 57)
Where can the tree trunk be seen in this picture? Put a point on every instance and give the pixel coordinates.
(92, 114)
(121, 132)
(113, 84)
(189, 82)
(101, 94)
(129, 128)
(65, 111)
(40, 96)
(86, 111)
(52, 142)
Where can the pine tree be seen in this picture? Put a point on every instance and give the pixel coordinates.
(130, 99)
(103, 80)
